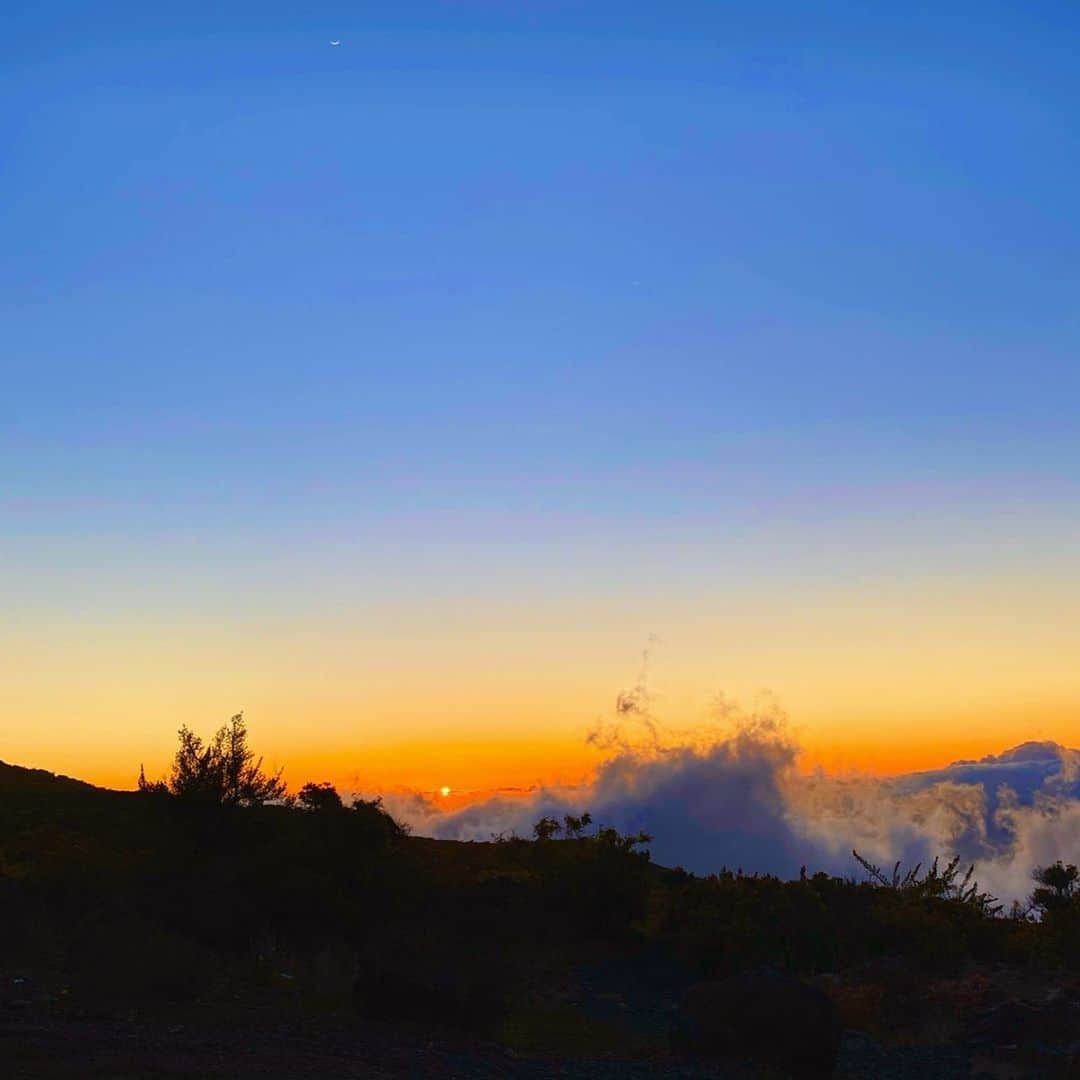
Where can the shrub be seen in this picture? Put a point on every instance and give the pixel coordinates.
(222, 772)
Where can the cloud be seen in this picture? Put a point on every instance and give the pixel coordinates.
(731, 795)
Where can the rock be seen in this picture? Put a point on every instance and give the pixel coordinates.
(764, 1017)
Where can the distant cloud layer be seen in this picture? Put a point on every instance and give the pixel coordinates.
(733, 797)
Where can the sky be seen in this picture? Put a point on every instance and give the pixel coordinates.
(402, 393)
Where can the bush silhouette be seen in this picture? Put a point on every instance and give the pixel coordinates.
(221, 772)
(319, 798)
(1057, 886)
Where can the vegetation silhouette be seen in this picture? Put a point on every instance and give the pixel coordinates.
(215, 885)
(937, 884)
(221, 772)
(1057, 887)
(321, 798)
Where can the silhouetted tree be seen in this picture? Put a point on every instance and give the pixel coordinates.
(319, 798)
(1058, 886)
(151, 787)
(223, 771)
(575, 826)
(547, 828)
(609, 835)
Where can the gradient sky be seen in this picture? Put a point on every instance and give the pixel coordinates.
(397, 393)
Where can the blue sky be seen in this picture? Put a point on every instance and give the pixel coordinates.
(486, 247)
(481, 226)
(637, 296)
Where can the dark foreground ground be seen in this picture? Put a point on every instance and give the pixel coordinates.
(260, 1047)
(45, 1038)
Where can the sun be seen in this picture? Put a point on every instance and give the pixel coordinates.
(444, 791)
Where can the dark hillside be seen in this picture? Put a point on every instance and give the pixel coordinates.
(35, 797)
(18, 781)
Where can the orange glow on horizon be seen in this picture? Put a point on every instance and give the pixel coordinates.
(481, 766)
(475, 693)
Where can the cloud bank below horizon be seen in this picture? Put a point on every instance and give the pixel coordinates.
(732, 796)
